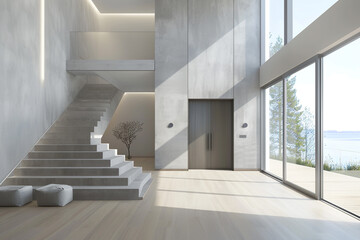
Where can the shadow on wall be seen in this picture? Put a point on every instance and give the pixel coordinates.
(246, 53)
(134, 107)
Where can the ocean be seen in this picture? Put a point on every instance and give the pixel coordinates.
(341, 148)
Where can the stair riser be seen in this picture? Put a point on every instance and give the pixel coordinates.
(76, 123)
(83, 114)
(72, 163)
(91, 181)
(66, 135)
(70, 129)
(67, 172)
(70, 117)
(72, 155)
(101, 147)
(90, 104)
(64, 141)
(134, 176)
(106, 194)
(90, 108)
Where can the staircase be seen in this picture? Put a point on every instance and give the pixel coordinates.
(71, 153)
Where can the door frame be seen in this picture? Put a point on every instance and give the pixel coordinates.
(232, 128)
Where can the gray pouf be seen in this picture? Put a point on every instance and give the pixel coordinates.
(15, 196)
(54, 195)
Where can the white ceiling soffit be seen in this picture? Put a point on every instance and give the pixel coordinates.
(130, 81)
(125, 6)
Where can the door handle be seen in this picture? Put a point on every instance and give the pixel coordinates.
(208, 141)
(211, 142)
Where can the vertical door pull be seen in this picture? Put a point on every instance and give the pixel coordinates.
(211, 141)
(208, 141)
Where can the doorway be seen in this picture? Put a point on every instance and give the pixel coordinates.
(211, 134)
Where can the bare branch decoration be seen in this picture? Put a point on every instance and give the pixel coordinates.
(127, 132)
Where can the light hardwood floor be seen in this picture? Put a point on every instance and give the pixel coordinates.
(188, 205)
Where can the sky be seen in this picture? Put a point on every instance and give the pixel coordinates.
(304, 13)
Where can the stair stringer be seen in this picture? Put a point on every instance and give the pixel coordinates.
(102, 125)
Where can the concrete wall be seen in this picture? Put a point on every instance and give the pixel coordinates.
(211, 48)
(28, 103)
(338, 24)
(134, 45)
(135, 107)
(171, 100)
(222, 39)
(109, 23)
(246, 84)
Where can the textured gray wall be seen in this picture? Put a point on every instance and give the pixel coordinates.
(246, 84)
(211, 48)
(135, 107)
(29, 106)
(224, 62)
(171, 101)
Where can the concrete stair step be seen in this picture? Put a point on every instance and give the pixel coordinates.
(71, 129)
(72, 154)
(72, 162)
(135, 191)
(116, 170)
(90, 96)
(65, 141)
(82, 100)
(71, 147)
(76, 123)
(82, 113)
(82, 104)
(87, 108)
(79, 117)
(98, 86)
(123, 180)
(67, 135)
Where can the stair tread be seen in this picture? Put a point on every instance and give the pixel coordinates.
(74, 177)
(100, 168)
(73, 159)
(60, 144)
(101, 151)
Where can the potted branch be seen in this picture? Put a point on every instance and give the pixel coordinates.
(127, 132)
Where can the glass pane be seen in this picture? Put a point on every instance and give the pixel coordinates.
(274, 129)
(307, 11)
(300, 128)
(274, 27)
(341, 143)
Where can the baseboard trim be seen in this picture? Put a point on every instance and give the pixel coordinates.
(247, 169)
(172, 170)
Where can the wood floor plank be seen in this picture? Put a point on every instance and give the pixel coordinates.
(188, 205)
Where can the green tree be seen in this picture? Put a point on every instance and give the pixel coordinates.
(309, 135)
(295, 139)
(275, 45)
(276, 119)
(294, 129)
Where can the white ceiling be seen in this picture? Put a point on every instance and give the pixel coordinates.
(125, 6)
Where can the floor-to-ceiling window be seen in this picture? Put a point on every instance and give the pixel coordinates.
(274, 129)
(283, 20)
(300, 128)
(341, 127)
(274, 27)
